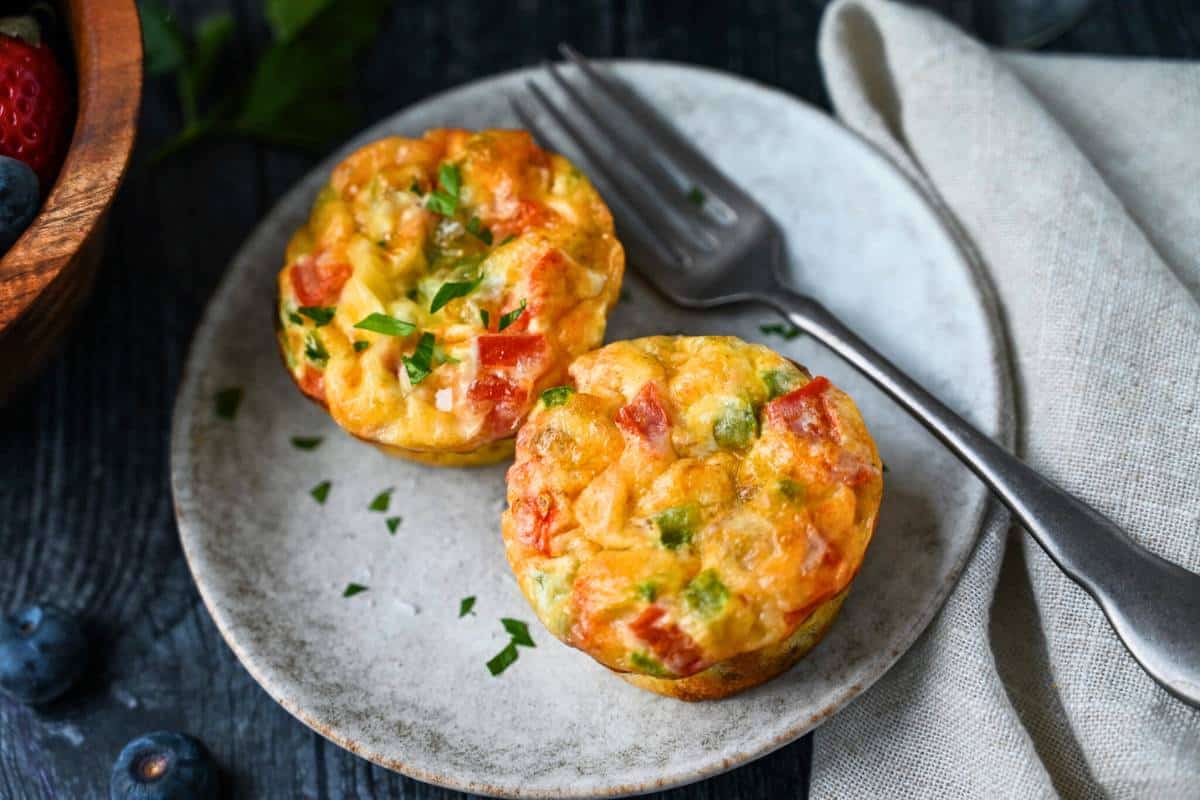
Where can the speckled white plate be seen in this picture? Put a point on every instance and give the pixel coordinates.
(393, 674)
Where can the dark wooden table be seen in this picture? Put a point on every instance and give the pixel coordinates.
(85, 509)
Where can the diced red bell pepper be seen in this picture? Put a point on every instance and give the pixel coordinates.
(645, 418)
(803, 411)
(318, 280)
(534, 515)
(509, 350)
(507, 401)
(312, 383)
(673, 646)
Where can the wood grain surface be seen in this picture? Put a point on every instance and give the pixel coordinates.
(85, 510)
(50, 269)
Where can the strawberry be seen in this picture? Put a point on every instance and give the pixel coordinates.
(35, 101)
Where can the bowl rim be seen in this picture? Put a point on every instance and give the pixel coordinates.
(106, 39)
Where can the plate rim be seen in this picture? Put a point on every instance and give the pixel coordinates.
(989, 511)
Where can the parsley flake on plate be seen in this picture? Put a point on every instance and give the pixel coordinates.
(353, 589)
(226, 402)
(503, 660)
(512, 316)
(788, 332)
(381, 501)
(696, 197)
(388, 326)
(306, 442)
(321, 491)
(322, 315)
(465, 605)
(519, 631)
(393, 523)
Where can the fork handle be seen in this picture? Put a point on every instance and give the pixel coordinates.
(1152, 604)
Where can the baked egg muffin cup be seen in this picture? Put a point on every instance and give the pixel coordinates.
(440, 285)
(691, 511)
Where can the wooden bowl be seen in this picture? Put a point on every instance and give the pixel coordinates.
(51, 268)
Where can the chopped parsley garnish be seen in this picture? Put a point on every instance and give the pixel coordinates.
(393, 523)
(507, 239)
(485, 317)
(451, 290)
(512, 316)
(465, 605)
(736, 427)
(321, 491)
(677, 526)
(479, 230)
(226, 402)
(556, 396)
(415, 187)
(696, 197)
(503, 660)
(519, 632)
(780, 381)
(648, 665)
(705, 594)
(353, 589)
(322, 315)
(306, 442)
(444, 201)
(360, 345)
(295, 318)
(420, 363)
(381, 501)
(648, 591)
(788, 332)
(791, 490)
(314, 350)
(388, 326)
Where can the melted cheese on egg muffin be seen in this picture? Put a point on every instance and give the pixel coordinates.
(691, 510)
(440, 284)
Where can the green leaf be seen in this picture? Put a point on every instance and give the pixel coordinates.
(441, 203)
(518, 630)
(512, 316)
(450, 291)
(381, 501)
(212, 36)
(420, 363)
(503, 660)
(227, 402)
(465, 606)
(289, 17)
(705, 594)
(450, 178)
(393, 523)
(479, 231)
(306, 442)
(388, 326)
(788, 332)
(556, 396)
(314, 350)
(353, 589)
(321, 491)
(322, 315)
(165, 44)
(677, 526)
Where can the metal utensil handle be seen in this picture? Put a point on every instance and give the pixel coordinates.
(1152, 604)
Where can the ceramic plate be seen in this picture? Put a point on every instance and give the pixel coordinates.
(394, 674)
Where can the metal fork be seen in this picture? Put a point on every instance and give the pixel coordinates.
(694, 254)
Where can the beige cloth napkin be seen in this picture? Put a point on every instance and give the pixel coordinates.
(1075, 184)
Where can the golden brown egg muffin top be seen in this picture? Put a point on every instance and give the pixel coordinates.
(441, 283)
(687, 500)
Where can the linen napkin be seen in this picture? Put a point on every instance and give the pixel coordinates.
(1074, 185)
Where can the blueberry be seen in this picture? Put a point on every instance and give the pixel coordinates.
(42, 652)
(18, 200)
(164, 766)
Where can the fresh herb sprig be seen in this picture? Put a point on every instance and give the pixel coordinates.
(296, 93)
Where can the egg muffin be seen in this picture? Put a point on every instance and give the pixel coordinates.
(440, 284)
(690, 511)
